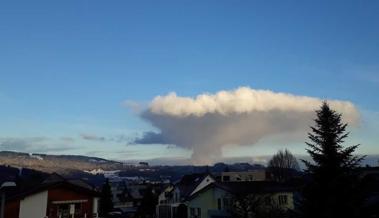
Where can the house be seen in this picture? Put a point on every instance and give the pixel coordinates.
(164, 202)
(172, 201)
(255, 175)
(143, 164)
(55, 197)
(215, 200)
(128, 195)
(130, 198)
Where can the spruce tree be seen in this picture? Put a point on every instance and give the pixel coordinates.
(148, 204)
(332, 190)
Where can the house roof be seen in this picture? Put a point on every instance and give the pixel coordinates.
(136, 191)
(256, 187)
(53, 181)
(188, 183)
(251, 187)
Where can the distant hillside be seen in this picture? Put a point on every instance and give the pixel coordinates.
(56, 163)
(77, 166)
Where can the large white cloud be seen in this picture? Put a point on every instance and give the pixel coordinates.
(208, 122)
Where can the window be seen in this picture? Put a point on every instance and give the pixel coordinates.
(176, 199)
(192, 212)
(283, 199)
(78, 210)
(226, 178)
(175, 211)
(64, 210)
(219, 204)
(227, 203)
(198, 214)
(195, 212)
(267, 200)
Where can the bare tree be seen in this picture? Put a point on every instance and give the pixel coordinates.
(256, 206)
(246, 206)
(282, 165)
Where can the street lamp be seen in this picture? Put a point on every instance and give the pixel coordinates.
(2, 187)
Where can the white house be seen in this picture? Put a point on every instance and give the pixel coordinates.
(174, 198)
(216, 199)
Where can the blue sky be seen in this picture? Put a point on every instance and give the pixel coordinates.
(67, 67)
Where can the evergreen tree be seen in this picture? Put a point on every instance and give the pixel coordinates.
(148, 204)
(332, 190)
(106, 203)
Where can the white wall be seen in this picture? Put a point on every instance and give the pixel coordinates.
(207, 202)
(34, 206)
(95, 208)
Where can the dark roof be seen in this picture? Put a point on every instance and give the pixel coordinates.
(136, 192)
(255, 187)
(18, 175)
(8, 173)
(188, 183)
(251, 187)
(53, 181)
(53, 178)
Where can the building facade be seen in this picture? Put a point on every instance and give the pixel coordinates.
(54, 199)
(216, 200)
(256, 175)
(172, 202)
